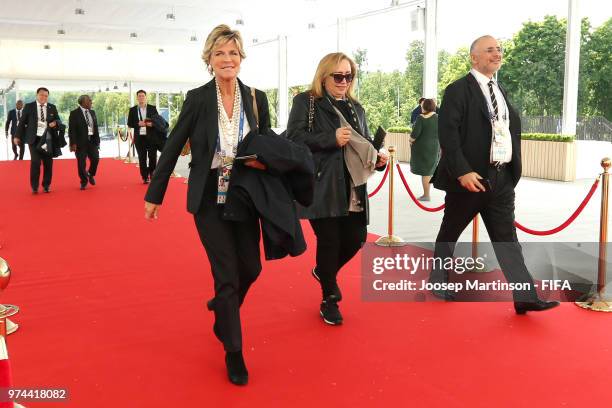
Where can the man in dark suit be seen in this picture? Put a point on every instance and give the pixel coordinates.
(480, 139)
(38, 118)
(85, 140)
(139, 119)
(11, 124)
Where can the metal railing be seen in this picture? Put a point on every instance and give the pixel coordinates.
(587, 128)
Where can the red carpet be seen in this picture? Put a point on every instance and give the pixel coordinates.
(112, 308)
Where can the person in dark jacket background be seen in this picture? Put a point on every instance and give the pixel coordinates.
(339, 212)
(40, 119)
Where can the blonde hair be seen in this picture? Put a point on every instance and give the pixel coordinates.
(327, 65)
(220, 35)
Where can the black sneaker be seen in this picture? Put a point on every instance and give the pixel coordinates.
(330, 312)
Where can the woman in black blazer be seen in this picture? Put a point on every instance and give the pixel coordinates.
(214, 119)
(339, 212)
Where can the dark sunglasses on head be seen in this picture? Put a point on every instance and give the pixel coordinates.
(338, 78)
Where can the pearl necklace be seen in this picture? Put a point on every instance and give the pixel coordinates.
(229, 126)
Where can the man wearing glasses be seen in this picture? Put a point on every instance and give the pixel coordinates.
(480, 139)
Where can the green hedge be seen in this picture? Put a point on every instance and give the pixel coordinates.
(399, 129)
(547, 136)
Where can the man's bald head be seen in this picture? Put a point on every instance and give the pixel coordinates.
(486, 55)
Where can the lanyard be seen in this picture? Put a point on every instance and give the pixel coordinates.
(240, 133)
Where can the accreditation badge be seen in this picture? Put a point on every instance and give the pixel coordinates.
(143, 130)
(502, 142)
(225, 171)
(40, 129)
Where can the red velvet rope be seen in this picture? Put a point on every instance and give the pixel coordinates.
(568, 221)
(417, 202)
(382, 182)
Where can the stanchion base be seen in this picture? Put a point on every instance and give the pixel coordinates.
(596, 302)
(11, 327)
(390, 241)
(8, 310)
(485, 269)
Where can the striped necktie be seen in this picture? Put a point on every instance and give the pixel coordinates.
(87, 118)
(493, 99)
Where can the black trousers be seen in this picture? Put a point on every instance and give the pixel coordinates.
(20, 147)
(146, 150)
(338, 240)
(82, 153)
(47, 163)
(233, 251)
(496, 207)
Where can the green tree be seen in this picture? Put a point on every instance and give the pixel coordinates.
(458, 65)
(415, 57)
(597, 71)
(360, 56)
(534, 66)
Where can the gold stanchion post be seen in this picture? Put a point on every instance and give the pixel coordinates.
(475, 239)
(598, 301)
(118, 144)
(391, 240)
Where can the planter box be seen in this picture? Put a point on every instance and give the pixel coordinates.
(549, 160)
(401, 141)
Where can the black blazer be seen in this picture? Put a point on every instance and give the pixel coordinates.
(289, 176)
(198, 123)
(133, 120)
(464, 130)
(11, 121)
(77, 129)
(26, 131)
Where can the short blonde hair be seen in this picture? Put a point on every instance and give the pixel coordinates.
(220, 35)
(327, 65)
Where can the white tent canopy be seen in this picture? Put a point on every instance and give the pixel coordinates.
(32, 48)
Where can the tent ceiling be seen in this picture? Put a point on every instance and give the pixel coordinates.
(113, 21)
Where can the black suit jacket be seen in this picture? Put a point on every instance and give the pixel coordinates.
(198, 123)
(77, 129)
(464, 130)
(289, 176)
(133, 120)
(11, 122)
(26, 131)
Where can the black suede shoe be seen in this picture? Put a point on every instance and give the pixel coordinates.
(46, 189)
(34, 191)
(92, 180)
(539, 305)
(330, 312)
(145, 181)
(236, 369)
(315, 274)
(83, 185)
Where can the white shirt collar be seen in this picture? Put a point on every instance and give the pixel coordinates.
(482, 78)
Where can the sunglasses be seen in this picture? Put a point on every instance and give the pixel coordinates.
(338, 78)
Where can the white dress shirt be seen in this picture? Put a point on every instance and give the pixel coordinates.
(502, 108)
